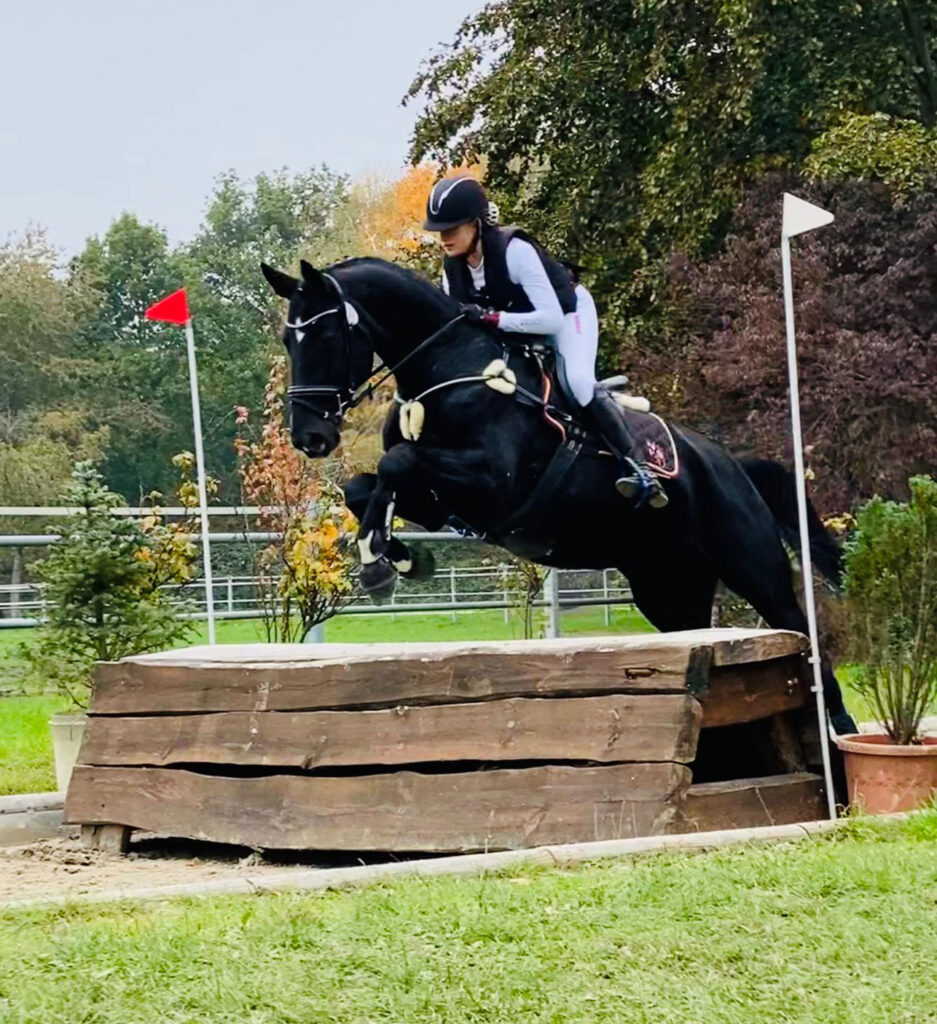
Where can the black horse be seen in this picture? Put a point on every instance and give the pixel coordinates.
(482, 451)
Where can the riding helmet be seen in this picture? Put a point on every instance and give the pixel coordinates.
(454, 201)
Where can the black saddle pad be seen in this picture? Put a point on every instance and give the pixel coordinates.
(652, 438)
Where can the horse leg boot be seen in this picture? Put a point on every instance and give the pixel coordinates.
(605, 416)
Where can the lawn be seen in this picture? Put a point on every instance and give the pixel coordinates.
(471, 625)
(838, 930)
(25, 744)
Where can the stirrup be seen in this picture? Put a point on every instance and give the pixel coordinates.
(642, 487)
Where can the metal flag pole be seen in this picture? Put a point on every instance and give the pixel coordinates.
(799, 217)
(200, 471)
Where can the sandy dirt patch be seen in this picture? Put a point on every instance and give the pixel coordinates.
(63, 867)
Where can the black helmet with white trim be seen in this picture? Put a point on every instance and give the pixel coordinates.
(454, 201)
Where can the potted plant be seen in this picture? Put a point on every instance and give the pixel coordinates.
(891, 588)
(103, 585)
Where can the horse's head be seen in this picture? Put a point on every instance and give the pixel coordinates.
(329, 359)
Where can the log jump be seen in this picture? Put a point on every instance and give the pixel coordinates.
(451, 747)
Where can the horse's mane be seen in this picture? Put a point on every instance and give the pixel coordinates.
(417, 287)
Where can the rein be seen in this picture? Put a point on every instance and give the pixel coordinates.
(350, 397)
(358, 397)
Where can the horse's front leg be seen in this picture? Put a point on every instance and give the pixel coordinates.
(382, 555)
(416, 504)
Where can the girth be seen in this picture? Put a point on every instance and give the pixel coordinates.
(546, 487)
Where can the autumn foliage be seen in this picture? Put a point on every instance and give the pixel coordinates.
(389, 224)
(307, 569)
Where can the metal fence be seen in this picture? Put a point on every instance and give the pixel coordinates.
(455, 589)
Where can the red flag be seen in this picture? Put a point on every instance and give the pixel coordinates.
(174, 309)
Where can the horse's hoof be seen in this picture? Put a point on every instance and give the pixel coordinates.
(422, 564)
(379, 580)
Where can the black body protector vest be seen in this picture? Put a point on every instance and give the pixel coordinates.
(500, 292)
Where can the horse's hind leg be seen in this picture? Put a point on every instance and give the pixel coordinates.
(675, 593)
(765, 580)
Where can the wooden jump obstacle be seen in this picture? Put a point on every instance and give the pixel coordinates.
(451, 746)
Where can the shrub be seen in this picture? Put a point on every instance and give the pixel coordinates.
(900, 154)
(103, 584)
(306, 571)
(891, 585)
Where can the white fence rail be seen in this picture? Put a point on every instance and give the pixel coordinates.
(454, 589)
(457, 588)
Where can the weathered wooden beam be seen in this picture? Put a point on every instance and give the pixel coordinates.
(760, 689)
(650, 727)
(741, 646)
(405, 811)
(263, 677)
(384, 675)
(748, 803)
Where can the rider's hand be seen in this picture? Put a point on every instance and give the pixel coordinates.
(475, 314)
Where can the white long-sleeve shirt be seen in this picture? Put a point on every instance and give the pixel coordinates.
(524, 269)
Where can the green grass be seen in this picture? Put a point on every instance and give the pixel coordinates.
(837, 930)
(471, 625)
(26, 745)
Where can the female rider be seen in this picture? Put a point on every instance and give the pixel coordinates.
(506, 280)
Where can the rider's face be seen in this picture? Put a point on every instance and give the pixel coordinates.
(458, 241)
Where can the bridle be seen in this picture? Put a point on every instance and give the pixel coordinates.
(350, 395)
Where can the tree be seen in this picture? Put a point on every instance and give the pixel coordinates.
(136, 371)
(389, 221)
(104, 587)
(622, 129)
(276, 218)
(866, 309)
(133, 374)
(39, 314)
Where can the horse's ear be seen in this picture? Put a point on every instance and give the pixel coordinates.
(316, 283)
(281, 283)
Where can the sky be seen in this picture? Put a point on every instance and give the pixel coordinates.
(114, 105)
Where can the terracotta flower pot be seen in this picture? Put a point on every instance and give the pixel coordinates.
(884, 777)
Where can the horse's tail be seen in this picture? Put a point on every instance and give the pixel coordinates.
(778, 488)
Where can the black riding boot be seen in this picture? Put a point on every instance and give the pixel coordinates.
(606, 417)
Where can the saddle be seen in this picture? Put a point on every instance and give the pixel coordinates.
(653, 440)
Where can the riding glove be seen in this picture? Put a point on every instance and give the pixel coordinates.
(476, 314)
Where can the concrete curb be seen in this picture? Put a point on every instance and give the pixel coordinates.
(469, 864)
(28, 817)
(21, 802)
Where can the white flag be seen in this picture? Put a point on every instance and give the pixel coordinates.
(800, 216)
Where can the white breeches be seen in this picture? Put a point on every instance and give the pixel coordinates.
(578, 343)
